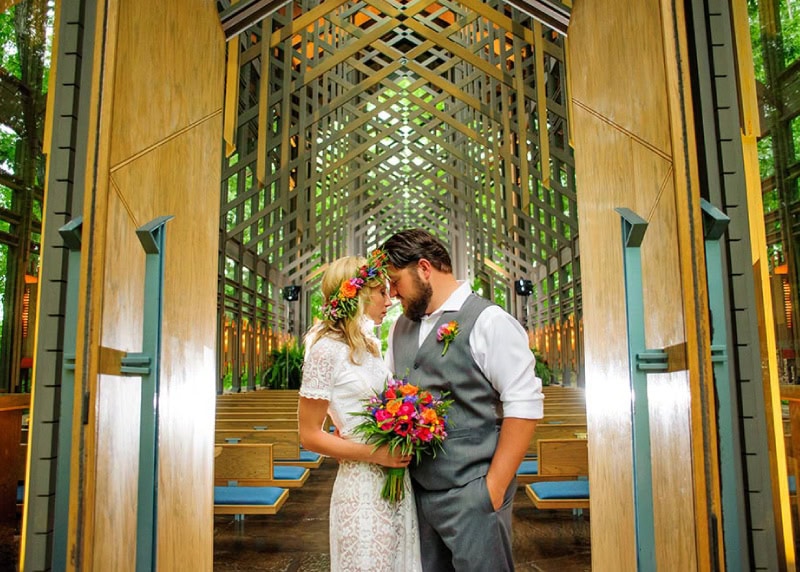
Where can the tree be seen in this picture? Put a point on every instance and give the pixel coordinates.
(23, 80)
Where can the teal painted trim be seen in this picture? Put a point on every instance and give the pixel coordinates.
(633, 230)
(147, 364)
(715, 222)
(652, 360)
(71, 235)
(135, 364)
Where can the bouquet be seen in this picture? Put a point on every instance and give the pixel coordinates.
(406, 417)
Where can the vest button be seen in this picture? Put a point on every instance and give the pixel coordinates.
(416, 366)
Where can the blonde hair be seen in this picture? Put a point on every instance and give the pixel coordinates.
(348, 329)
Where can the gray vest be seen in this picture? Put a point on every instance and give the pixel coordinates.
(473, 417)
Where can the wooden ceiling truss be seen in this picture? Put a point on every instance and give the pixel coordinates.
(358, 119)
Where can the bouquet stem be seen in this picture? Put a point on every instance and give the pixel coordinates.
(393, 487)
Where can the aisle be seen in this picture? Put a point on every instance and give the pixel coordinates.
(296, 539)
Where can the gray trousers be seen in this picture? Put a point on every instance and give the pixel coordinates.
(461, 532)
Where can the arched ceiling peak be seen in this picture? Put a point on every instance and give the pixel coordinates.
(357, 119)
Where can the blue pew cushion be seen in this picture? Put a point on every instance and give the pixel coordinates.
(555, 490)
(792, 485)
(247, 495)
(528, 468)
(288, 473)
(20, 494)
(305, 456)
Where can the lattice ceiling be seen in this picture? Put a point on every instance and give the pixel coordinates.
(357, 119)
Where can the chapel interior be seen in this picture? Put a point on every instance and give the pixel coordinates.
(619, 175)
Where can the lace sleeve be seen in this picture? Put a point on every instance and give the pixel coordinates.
(320, 368)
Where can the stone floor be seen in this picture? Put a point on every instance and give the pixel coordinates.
(296, 539)
(9, 546)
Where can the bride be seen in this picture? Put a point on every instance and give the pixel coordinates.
(342, 367)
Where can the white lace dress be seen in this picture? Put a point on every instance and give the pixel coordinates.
(367, 533)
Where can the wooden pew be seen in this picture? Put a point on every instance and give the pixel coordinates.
(546, 431)
(528, 470)
(259, 419)
(286, 442)
(21, 468)
(570, 409)
(270, 396)
(248, 408)
(11, 410)
(240, 501)
(256, 424)
(286, 445)
(249, 500)
(564, 418)
(564, 462)
(252, 465)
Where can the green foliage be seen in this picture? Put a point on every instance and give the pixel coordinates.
(541, 368)
(788, 42)
(227, 380)
(286, 368)
(755, 40)
(8, 149)
(315, 299)
(790, 31)
(478, 287)
(9, 59)
(500, 294)
(391, 317)
(766, 162)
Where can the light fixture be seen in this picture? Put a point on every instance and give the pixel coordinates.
(523, 287)
(291, 293)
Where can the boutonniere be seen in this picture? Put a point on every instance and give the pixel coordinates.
(447, 333)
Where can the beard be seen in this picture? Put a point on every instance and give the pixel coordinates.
(417, 305)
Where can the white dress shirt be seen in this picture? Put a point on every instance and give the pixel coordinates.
(499, 346)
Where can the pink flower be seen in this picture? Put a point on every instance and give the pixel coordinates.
(406, 409)
(447, 333)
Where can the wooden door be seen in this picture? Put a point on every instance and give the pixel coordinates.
(155, 150)
(636, 146)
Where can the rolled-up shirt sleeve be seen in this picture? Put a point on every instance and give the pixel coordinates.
(499, 346)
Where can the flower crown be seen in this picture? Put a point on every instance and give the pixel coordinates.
(343, 303)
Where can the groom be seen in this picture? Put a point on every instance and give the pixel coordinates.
(464, 494)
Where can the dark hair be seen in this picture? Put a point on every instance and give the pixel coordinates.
(408, 246)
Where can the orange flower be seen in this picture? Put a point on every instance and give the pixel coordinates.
(430, 417)
(347, 289)
(408, 389)
(394, 406)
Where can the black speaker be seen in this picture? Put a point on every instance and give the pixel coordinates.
(523, 287)
(291, 293)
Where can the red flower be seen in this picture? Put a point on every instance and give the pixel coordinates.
(424, 434)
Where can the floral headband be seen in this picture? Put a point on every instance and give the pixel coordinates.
(343, 303)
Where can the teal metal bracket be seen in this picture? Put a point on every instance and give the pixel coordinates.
(642, 360)
(145, 364)
(715, 223)
(71, 235)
